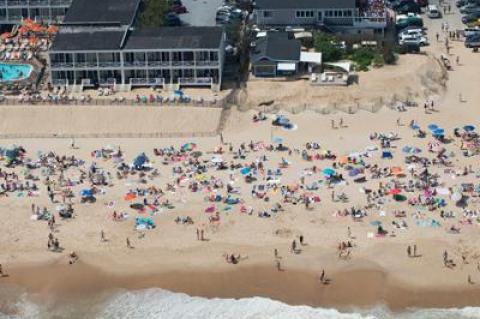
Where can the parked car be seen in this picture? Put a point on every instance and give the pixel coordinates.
(471, 31)
(470, 8)
(411, 33)
(461, 3)
(410, 19)
(408, 7)
(420, 40)
(422, 3)
(433, 12)
(471, 17)
(472, 41)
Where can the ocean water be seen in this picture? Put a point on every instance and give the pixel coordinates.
(162, 304)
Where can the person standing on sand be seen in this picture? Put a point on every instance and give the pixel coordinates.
(102, 236)
(409, 251)
(278, 265)
(322, 276)
(469, 280)
(349, 232)
(341, 122)
(332, 122)
(198, 234)
(1, 271)
(202, 238)
(128, 243)
(294, 246)
(415, 250)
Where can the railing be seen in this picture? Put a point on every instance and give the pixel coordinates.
(107, 82)
(109, 64)
(195, 81)
(147, 82)
(207, 63)
(183, 63)
(61, 65)
(39, 2)
(158, 63)
(111, 135)
(135, 63)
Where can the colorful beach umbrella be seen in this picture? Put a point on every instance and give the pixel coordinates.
(469, 128)
(328, 171)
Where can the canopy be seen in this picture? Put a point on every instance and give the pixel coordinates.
(432, 127)
(286, 66)
(311, 57)
(345, 65)
(438, 131)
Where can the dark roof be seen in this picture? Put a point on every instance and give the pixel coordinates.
(175, 37)
(87, 40)
(304, 4)
(276, 46)
(102, 11)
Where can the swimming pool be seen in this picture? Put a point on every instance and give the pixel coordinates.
(14, 72)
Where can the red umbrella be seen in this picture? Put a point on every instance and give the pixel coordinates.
(395, 191)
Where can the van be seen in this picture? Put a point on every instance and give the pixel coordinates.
(472, 41)
(433, 12)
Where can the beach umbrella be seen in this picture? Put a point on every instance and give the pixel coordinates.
(395, 191)
(432, 127)
(277, 140)
(354, 172)
(438, 131)
(245, 171)
(188, 146)
(469, 128)
(130, 197)
(86, 192)
(375, 223)
(217, 159)
(328, 171)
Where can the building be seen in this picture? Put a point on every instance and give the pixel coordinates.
(275, 54)
(104, 49)
(14, 11)
(337, 15)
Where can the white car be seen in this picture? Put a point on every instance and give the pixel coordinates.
(413, 39)
(411, 32)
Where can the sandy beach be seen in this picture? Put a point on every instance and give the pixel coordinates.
(377, 270)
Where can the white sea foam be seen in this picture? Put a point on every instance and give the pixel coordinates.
(162, 304)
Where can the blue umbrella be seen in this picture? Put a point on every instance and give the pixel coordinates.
(328, 171)
(277, 140)
(438, 131)
(86, 192)
(354, 172)
(469, 128)
(245, 170)
(432, 127)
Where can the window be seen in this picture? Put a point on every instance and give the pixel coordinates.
(267, 14)
(304, 14)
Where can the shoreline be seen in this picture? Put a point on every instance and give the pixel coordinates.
(56, 284)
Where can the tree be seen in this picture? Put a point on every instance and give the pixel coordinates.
(153, 14)
(326, 44)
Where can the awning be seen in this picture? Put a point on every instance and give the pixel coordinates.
(286, 66)
(311, 57)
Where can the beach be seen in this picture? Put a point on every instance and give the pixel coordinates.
(157, 263)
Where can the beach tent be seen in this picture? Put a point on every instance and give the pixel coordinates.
(140, 161)
(387, 154)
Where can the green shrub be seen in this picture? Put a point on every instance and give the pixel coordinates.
(325, 44)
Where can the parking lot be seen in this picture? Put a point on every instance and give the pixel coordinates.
(200, 12)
